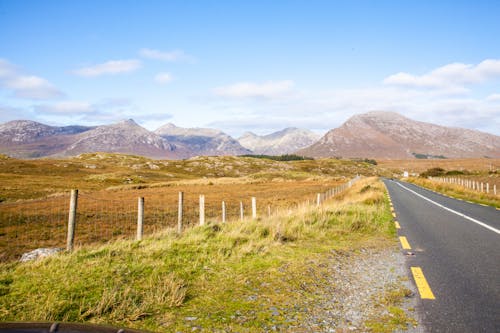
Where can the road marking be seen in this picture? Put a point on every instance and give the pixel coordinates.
(404, 243)
(423, 287)
(452, 211)
(396, 223)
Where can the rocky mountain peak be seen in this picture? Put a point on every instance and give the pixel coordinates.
(281, 142)
(390, 135)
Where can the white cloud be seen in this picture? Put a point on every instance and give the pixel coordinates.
(163, 78)
(26, 86)
(169, 56)
(266, 90)
(65, 108)
(110, 67)
(452, 76)
(493, 98)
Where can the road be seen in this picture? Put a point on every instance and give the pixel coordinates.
(459, 258)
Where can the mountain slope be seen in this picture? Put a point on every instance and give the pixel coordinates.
(30, 139)
(124, 137)
(201, 141)
(278, 143)
(390, 135)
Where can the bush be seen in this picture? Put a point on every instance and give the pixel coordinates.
(433, 172)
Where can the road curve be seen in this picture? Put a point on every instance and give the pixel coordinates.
(455, 247)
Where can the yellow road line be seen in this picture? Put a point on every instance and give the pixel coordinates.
(404, 243)
(396, 223)
(423, 287)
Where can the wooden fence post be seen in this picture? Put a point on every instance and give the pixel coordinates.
(495, 189)
(140, 218)
(318, 199)
(254, 208)
(487, 187)
(223, 212)
(202, 209)
(73, 203)
(241, 211)
(180, 212)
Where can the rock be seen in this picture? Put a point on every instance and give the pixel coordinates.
(39, 253)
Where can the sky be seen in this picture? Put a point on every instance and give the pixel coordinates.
(255, 65)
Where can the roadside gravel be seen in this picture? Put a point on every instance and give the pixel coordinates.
(352, 293)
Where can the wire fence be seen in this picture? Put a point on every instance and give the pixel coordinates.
(105, 216)
(471, 184)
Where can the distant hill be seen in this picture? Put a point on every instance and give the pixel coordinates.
(390, 135)
(201, 141)
(29, 139)
(125, 137)
(282, 142)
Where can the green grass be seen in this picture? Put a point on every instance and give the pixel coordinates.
(246, 276)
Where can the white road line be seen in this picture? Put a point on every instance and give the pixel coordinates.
(451, 210)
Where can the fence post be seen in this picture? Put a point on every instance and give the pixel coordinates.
(241, 210)
(202, 209)
(223, 212)
(140, 217)
(495, 189)
(73, 203)
(269, 210)
(254, 208)
(318, 199)
(180, 212)
(488, 188)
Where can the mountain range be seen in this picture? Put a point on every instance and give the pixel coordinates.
(286, 141)
(370, 135)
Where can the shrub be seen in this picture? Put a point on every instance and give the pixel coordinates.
(433, 172)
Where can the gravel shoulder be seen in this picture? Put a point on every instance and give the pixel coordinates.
(359, 293)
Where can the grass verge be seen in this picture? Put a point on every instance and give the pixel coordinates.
(458, 192)
(246, 276)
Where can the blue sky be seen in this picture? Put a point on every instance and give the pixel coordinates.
(250, 65)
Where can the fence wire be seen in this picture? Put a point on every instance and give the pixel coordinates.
(104, 216)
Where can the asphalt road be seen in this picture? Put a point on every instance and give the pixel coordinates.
(459, 258)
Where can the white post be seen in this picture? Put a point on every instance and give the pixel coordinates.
(495, 189)
(223, 212)
(202, 209)
(241, 210)
(269, 210)
(140, 218)
(254, 208)
(318, 199)
(488, 188)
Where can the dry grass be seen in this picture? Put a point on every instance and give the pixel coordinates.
(420, 165)
(460, 192)
(210, 273)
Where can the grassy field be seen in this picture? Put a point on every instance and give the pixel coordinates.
(35, 193)
(32, 179)
(209, 276)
